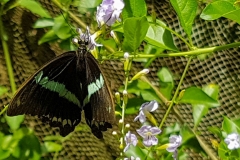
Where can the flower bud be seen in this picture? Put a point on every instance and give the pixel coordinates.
(125, 97)
(126, 55)
(139, 74)
(113, 34)
(117, 96)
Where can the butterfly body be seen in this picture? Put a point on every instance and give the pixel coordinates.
(59, 91)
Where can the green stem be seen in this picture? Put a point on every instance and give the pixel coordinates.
(6, 54)
(4, 109)
(176, 92)
(124, 104)
(206, 148)
(179, 54)
(159, 94)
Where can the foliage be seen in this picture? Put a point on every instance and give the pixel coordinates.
(135, 27)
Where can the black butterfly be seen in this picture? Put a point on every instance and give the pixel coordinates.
(65, 86)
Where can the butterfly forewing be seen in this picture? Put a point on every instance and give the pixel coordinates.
(53, 93)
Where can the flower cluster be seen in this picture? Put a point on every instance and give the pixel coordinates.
(149, 133)
(109, 11)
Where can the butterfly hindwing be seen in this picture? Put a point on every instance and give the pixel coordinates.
(53, 93)
(99, 106)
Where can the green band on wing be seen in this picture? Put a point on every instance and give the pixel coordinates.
(56, 87)
(94, 87)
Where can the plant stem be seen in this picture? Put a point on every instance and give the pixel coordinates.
(6, 54)
(159, 94)
(178, 54)
(124, 104)
(176, 92)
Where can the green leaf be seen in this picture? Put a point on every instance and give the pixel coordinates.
(61, 28)
(234, 15)
(52, 147)
(194, 95)
(21, 132)
(30, 147)
(166, 82)
(34, 7)
(48, 37)
(219, 9)
(6, 142)
(186, 134)
(138, 8)
(3, 90)
(127, 11)
(149, 95)
(15, 121)
(216, 10)
(67, 45)
(4, 154)
(186, 11)
(212, 90)
(135, 30)
(134, 8)
(172, 129)
(215, 130)
(198, 112)
(230, 126)
(44, 22)
(223, 150)
(158, 36)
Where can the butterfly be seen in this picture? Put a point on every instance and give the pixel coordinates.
(59, 91)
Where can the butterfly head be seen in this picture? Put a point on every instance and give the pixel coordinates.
(85, 39)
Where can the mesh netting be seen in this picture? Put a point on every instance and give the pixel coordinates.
(222, 68)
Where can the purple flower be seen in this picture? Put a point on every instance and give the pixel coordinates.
(130, 139)
(175, 142)
(145, 109)
(109, 11)
(148, 133)
(233, 141)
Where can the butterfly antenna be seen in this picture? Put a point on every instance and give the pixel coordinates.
(73, 30)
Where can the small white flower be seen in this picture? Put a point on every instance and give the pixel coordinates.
(233, 141)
